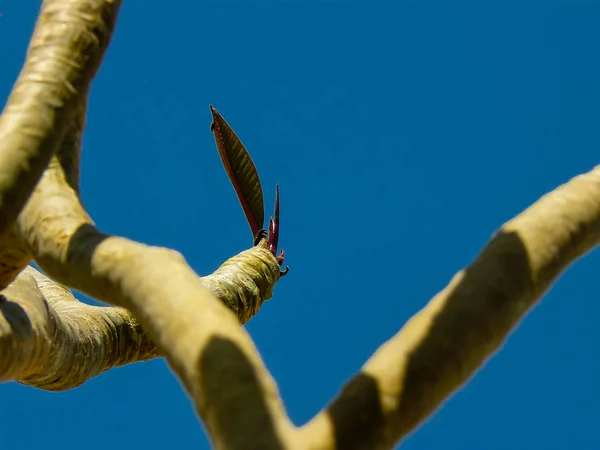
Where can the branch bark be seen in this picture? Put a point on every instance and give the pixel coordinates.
(201, 339)
(405, 380)
(45, 332)
(444, 344)
(51, 341)
(65, 52)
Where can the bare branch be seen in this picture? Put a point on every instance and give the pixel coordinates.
(64, 54)
(435, 353)
(96, 329)
(443, 345)
(202, 340)
(50, 340)
(45, 331)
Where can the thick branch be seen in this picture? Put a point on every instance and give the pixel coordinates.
(251, 270)
(407, 378)
(64, 54)
(45, 331)
(50, 340)
(201, 339)
(442, 346)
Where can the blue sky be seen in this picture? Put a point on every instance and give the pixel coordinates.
(402, 136)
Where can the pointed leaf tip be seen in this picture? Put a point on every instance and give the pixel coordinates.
(241, 171)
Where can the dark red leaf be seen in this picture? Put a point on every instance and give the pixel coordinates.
(241, 171)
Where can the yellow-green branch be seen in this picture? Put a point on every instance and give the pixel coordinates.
(45, 332)
(64, 54)
(444, 344)
(405, 380)
(50, 340)
(201, 339)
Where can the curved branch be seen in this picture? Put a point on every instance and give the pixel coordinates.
(444, 344)
(64, 54)
(45, 332)
(436, 352)
(51, 341)
(202, 340)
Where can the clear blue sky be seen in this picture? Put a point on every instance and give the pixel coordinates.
(401, 136)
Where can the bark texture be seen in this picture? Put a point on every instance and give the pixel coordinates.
(161, 307)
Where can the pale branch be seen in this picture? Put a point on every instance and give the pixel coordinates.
(444, 344)
(45, 331)
(51, 341)
(14, 254)
(405, 380)
(64, 54)
(257, 286)
(201, 339)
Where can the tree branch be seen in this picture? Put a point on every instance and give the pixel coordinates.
(51, 341)
(64, 54)
(443, 345)
(54, 322)
(201, 339)
(405, 380)
(45, 332)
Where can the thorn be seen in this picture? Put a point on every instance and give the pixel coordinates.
(281, 257)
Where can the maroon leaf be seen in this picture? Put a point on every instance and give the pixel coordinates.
(241, 171)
